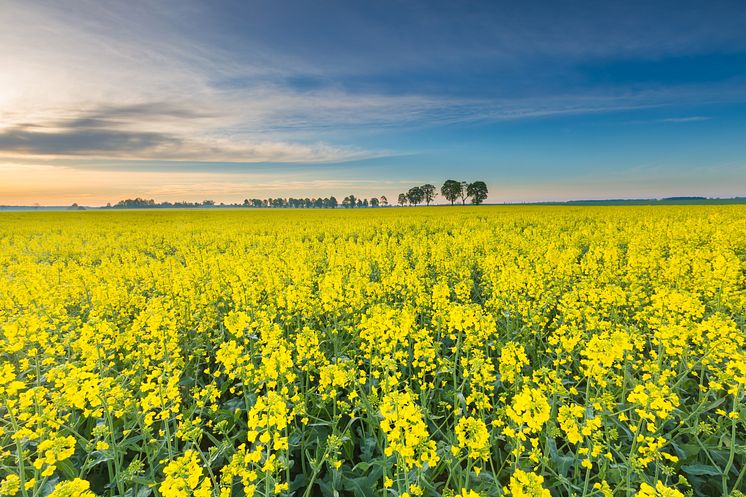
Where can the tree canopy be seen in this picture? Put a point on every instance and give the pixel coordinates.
(415, 195)
(451, 190)
(477, 191)
(429, 193)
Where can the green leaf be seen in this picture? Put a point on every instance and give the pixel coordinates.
(300, 481)
(362, 467)
(368, 447)
(701, 470)
(364, 486)
(142, 491)
(67, 468)
(687, 451)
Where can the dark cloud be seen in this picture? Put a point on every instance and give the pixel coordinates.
(81, 141)
(104, 130)
(149, 109)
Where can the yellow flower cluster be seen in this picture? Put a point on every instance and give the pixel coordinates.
(529, 410)
(53, 450)
(569, 418)
(473, 437)
(523, 484)
(512, 359)
(185, 478)
(406, 432)
(660, 490)
(72, 488)
(334, 377)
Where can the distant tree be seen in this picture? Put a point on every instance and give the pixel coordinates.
(349, 201)
(384, 200)
(333, 202)
(374, 202)
(365, 202)
(402, 199)
(429, 193)
(464, 192)
(415, 195)
(137, 203)
(451, 190)
(208, 203)
(477, 191)
(359, 203)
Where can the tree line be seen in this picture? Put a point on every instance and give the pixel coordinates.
(451, 190)
(276, 203)
(316, 203)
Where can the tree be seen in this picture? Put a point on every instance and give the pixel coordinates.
(415, 195)
(384, 200)
(464, 192)
(451, 190)
(429, 193)
(477, 191)
(402, 199)
(374, 202)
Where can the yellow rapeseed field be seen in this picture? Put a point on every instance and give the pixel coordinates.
(516, 351)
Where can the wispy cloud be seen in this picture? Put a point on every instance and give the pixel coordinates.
(687, 119)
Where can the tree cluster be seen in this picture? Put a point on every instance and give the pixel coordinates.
(352, 201)
(293, 203)
(141, 203)
(451, 190)
(418, 194)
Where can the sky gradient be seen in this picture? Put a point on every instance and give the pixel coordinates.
(184, 100)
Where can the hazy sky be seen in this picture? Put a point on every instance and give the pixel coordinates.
(184, 100)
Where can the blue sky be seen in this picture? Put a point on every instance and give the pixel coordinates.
(226, 100)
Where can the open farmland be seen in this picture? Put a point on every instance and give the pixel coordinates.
(522, 351)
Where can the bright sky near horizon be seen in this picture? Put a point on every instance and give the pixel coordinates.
(224, 100)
